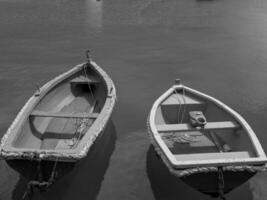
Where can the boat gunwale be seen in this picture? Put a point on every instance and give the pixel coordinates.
(10, 152)
(259, 160)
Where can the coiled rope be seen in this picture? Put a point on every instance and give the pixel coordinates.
(40, 184)
(221, 183)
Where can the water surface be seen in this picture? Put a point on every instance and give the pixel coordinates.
(216, 46)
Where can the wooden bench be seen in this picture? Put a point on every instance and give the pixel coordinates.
(39, 113)
(173, 100)
(84, 80)
(212, 156)
(188, 127)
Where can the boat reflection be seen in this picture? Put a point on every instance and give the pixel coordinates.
(166, 186)
(153, 13)
(94, 13)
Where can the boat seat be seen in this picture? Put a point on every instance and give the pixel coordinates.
(173, 100)
(39, 113)
(212, 156)
(187, 127)
(84, 80)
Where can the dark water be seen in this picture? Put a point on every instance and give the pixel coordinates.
(216, 46)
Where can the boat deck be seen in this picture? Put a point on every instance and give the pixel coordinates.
(39, 113)
(187, 127)
(58, 129)
(200, 145)
(188, 143)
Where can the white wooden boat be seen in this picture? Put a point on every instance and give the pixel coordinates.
(203, 141)
(59, 124)
(61, 121)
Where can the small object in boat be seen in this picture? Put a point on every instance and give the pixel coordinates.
(197, 119)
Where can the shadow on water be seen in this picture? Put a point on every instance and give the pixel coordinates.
(165, 185)
(75, 181)
(168, 187)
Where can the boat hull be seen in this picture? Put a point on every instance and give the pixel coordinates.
(207, 183)
(93, 165)
(62, 120)
(28, 169)
(214, 158)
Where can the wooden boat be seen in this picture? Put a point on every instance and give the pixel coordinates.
(61, 121)
(204, 142)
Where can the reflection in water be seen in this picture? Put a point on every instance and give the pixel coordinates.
(8, 180)
(158, 12)
(164, 184)
(80, 181)
(258, 186)
(94, 14)
(126, 177)
(168, 187)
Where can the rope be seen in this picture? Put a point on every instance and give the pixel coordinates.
(40, 184)
(28, 192)
(45, 184)
(89, 86)
(221, 183)
(53, 173)
(183, 96)
(184, 138)
(180, 105)
(84, 121)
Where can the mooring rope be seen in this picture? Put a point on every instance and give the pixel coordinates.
(89, 85)
(45, 184)
(221, 183)
(183, 96)
(39, 184)
(180, 105)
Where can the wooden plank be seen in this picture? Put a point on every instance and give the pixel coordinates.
(39, 113)
(177, 99)
(188, 127)
(84, 80)
(202, 141)
(213, 156)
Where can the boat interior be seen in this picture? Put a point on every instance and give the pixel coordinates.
(195, 128)
(65, 113)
